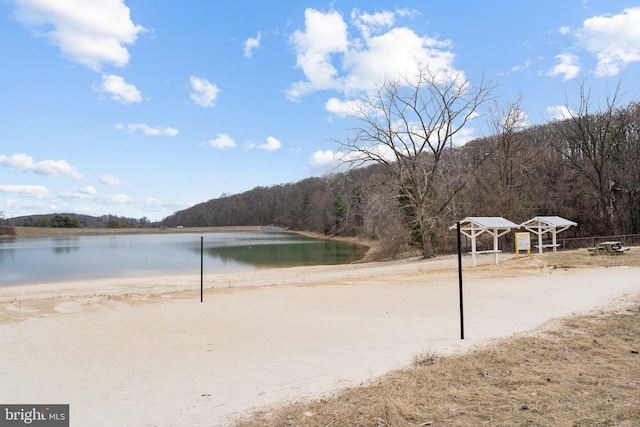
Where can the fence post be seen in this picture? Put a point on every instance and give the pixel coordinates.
(201, 267)
(460, 282)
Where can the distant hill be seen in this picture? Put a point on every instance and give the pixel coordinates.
(72, 220)
(321, 204)
(551, 169)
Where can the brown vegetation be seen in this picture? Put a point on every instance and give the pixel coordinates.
(6, 230)
(580, 371)
(584, 372)
(585, 168)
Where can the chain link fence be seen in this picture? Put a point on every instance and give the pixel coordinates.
(589, 242)
(507, 243)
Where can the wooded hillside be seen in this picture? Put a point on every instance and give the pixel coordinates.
(585, 168)
(72, 220)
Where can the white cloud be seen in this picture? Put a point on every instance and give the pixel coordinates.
(203, 92)
(33, 191)
(465, 135)
(272, 144)
(527, 63)
(147, 130)
(398, 52)
(27, 199)
(86, 193)
(222, 141)
(120, 199)
(112, 181)
(119, 90)
(564, 30)
(89, 189)
(325, 34)
(251, 44)
(615, 40)
(406, 12)
(150, 204)
(91, 33)
(568, 68)
(45, 167)
(368, 24)
(325, 160)
(342, 108)
(559, 112)
(329, 160)
(323, 48)
(90, 194)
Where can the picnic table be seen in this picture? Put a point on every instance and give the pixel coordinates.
(608, 248)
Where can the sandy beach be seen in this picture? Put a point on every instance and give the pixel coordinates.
(147, 352)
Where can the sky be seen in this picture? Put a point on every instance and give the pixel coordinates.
(141, 108)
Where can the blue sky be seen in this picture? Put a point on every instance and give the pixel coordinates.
(141, 108)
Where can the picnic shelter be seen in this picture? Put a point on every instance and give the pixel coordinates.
(547, 224)
(474, 226)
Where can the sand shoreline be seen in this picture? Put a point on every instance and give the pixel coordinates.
(147, 352)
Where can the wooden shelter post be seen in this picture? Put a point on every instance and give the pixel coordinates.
(472, 227)
(547, 224)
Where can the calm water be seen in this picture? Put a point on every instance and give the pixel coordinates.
(54, 259)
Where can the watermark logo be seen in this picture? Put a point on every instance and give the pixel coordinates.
(34, 415)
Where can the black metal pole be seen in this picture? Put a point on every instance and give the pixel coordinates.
(201, 267)
(460, 282)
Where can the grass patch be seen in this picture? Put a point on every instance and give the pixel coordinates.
(426, 357)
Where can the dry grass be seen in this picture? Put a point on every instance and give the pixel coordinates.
(583, 371)
(582, 258)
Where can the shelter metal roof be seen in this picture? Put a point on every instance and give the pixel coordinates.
(488, 222)
(554, 221)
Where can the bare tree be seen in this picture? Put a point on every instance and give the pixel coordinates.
(627, 189)
(505, 124)
(383, 221)
(5, 226)
(407, 125)
(590, 141)
(508, 168)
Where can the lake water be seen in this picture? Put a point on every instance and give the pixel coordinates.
(55, 259)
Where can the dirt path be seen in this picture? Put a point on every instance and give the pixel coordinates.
(147, 352)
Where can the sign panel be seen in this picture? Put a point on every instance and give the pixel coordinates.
(523, 242)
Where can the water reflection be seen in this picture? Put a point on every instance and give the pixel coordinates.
(300, 253)
(65, 245)
(38, 260)
(6, 254)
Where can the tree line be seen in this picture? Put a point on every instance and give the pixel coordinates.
(409, 182)
(71, 220)
(6, 229)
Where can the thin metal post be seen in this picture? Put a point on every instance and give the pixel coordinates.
(201, 268)
(460, 282)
